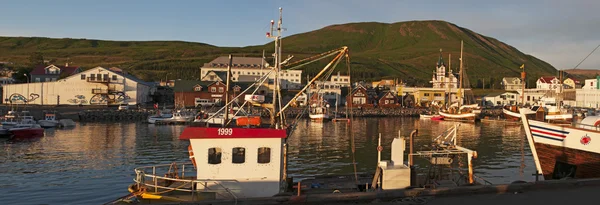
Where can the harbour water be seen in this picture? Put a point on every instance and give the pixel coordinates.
(93, 163)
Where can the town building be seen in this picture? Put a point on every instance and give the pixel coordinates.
(572, 83)
(591, 84)
(341, 80)
(330, 91)
(549, 83)
(512, 83)
(96, 86)
(502, 98)
(387, 99)
(430, 96)
(389, 84)
(51, 73)
(248, 69)
(188, 91)
(6, 76)
(360, 97)
(440, 78)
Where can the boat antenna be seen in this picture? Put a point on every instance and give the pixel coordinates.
(586, 57)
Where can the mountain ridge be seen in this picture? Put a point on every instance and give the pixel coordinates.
(404, 50)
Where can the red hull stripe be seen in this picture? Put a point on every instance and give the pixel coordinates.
(548, 133)
(225, 133)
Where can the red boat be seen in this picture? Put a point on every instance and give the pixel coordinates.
(22, 131)
(437, 117)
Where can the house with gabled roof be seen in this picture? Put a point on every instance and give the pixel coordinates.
(387, 99)
(50, 73)
(549, 83)
(512, 83)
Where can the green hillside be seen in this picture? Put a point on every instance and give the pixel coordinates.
(404, 50)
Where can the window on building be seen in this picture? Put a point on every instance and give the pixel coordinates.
(386, 102)
(345, 80)
(198, 88)
(213, 90)
(238, 155)
(425, 94)
(37, 79)
(106, 77)
(92, 76)
(221, 89)
(236, 89)
(335, 79)
(82, 76)
(214, 155)
(99, 76)
(53, 79)
(437, 94)
(47, 80)
(264, 155)
(114, 77)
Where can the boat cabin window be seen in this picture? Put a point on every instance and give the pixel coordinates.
(264, 155)
(214, 155)
(238, 155)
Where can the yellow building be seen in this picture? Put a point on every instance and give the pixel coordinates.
(571, 83)
(427, 96)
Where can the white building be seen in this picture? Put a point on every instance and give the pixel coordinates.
(329, 90)
(512, 83)
(549, 83)
(502, 98)
(587, 97)
(248, 69)
(591, 84)
(342, 80)
(440, 78)
(96, 86)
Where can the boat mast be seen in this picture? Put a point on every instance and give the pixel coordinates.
(460, 93)
(227, 106)
(523, 85)
(276, 80)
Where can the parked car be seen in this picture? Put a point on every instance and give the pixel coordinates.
(123, 107)
(203, 102)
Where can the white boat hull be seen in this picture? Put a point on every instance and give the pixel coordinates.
(510, 114)
(566, 117)
(319, 117)
(66, 123)
(48, 123)
(459, 117)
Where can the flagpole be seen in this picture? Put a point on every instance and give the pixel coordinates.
(523, 85)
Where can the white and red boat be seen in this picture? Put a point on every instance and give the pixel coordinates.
(562, 151)
(22, 131)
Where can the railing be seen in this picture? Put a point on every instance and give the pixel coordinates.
(97, 80)
(172, 175)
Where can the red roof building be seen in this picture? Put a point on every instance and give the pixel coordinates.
(50, 73)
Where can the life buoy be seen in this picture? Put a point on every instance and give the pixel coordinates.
(191, 152)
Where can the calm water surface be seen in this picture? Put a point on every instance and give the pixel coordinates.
(93, 163)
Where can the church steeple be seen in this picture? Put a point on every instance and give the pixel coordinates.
(441, 60)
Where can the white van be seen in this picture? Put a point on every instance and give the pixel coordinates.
(203, 102)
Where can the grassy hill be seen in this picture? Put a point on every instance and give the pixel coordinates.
(404, 50)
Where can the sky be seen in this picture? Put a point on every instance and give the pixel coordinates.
(559, 32)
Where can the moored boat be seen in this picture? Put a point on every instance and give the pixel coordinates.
(49, 120)
(563, 151)
(511, 113)
(23, 131)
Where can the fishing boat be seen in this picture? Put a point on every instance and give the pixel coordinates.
(563, 150)
(511, 113)
(10, 119)
(180, 116)
(466, 112)
(49, 120)
(437, 118)
(319, 112)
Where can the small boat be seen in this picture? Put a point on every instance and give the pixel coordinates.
(49, 120)
(511, 113)
(66, 123)
(563, 151)
(319, 113)
(26, 130)
(437, 117)
(180, 116)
